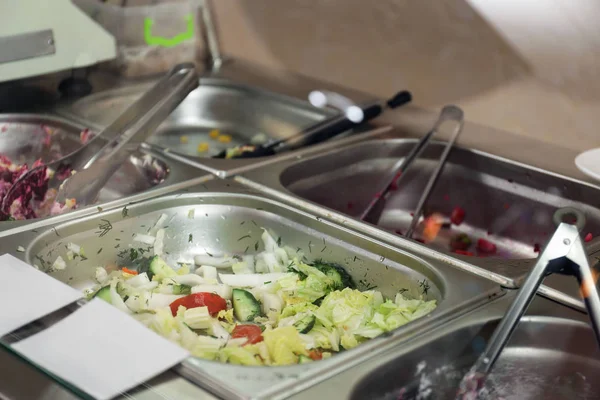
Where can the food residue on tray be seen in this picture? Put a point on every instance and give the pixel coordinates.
(270, 308)
(224, 138)
(202, 147)
(33, 199)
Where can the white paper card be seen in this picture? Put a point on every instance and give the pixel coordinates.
(28, 294)
(101, 350)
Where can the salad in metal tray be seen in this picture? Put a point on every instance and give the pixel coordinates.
(271, 308)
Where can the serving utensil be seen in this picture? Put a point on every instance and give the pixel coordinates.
(352, 117)
(564, 254)
(374, 209)
(93, 168)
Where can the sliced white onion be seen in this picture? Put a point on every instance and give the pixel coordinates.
(159, 242)
(159, 223)
(188, 280)
(224, 291)
(116, 300)
(271, 302)
(217, 330)
(236, 342)
(159, 300)
(250, 280)
(269, 242)
(218, 262)
(139, 280)
(146, 239)
(59, 263)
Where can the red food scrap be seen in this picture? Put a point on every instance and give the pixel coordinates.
(398, 232)
(464, 253)
(458, 215)
(588, 237)
(536, 248)
(486, 246)
(251, 332)
(315, 354)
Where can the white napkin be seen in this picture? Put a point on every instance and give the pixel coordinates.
(101, 350)
(28, 294)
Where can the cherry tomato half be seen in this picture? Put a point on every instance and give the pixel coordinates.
(458, 215)
(214, 302)
(315, 354)
(252, 332)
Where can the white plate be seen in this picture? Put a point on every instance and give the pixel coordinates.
(588, 162)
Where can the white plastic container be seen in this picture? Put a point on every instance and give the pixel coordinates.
(151, 37)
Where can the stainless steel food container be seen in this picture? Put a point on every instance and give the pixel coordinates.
(507, 203)
(228, 217)
(240, 114)
(146, 173)
(552, 355)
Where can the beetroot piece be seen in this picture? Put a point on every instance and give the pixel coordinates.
(458, 215)
(486, 246)
(588, 237)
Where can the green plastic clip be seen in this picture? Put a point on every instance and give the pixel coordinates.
(152, 40)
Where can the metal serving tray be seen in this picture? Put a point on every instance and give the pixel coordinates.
(227, 218)
(22, 137)
(238, 111)
(507, 203)
(552, 355)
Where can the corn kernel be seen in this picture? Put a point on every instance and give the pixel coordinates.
(202, 147)
(224, 138)
(183, 139)
(214, 133)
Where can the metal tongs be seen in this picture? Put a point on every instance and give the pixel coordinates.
(93, 167)
(565, 255)
(373, 211)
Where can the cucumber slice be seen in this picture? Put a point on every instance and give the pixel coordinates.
(159, 268)
(304, 359)
(245, 305)
(341, 279)
(104, 294)
(181, 289)
(305, 324)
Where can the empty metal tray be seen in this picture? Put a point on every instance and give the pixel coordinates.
(229, 220)
(506, 203)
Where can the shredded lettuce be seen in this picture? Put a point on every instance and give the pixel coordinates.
(284, 345)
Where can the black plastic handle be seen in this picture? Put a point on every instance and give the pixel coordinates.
(400, 99)
(324, 130)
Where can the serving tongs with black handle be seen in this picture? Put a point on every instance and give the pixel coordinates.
(564, 254)
(321, 131)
